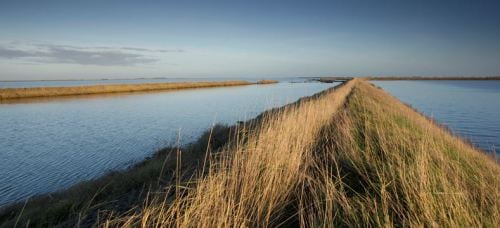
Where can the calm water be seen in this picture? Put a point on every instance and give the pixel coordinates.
(469, 108)
(52, 144)
(27, 84)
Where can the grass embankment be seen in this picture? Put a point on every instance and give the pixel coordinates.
(253, 181)
(383, 164)
(375, 162)
(16, 93)
(367, 160)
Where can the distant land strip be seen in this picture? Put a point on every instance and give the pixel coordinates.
(435, 78)
(415, 78)
(18, 93)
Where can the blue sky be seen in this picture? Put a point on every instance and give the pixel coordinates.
(130, 39)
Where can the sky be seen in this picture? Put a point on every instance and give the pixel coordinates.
(42, 40)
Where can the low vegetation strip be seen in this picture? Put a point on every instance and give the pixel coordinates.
(266, 81)
(16, 93)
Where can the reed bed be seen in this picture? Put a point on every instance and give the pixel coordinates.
(372, 162)
(16, 93)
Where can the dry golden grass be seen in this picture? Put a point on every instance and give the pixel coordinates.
(15, 93)
(252, 182)
(375, 162)
(383, 164)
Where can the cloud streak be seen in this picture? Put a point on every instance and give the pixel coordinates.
(153, 50)
(69, 54)
(15, 53)
(138, 49)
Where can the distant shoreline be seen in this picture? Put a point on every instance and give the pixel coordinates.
(433, 78)
(413, 78)
(34, 92)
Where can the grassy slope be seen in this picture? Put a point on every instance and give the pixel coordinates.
(15, 93)
(376, 162)
(382, 164)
